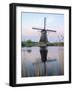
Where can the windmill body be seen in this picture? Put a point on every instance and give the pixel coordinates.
(43, 37)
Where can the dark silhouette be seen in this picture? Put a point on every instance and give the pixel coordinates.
(43, 37)
(43, 53)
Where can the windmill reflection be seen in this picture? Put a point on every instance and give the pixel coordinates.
(43, 53)
(41, 68)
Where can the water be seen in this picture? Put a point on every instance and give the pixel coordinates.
(45, 61)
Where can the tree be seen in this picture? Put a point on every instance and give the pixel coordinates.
(29, 43)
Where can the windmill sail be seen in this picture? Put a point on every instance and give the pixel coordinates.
(45, 23)
(37, 28)
(51, 30)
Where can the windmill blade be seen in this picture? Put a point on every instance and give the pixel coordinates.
(51, 30)
(50, 60)
(44, 23)
(37, 28)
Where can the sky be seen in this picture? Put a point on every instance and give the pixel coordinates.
(53, 22)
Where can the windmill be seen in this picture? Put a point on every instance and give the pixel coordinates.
(44, 31)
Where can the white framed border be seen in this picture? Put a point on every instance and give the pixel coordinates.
(65, 77)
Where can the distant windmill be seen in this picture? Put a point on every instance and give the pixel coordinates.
(43, 37)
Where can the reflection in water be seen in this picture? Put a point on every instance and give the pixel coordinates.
(43, 53)
(42, 61)
(28, 50)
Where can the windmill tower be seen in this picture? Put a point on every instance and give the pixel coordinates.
(44, 31)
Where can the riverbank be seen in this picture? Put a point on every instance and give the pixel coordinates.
(30, 43)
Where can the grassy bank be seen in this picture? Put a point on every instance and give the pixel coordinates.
(30, 43)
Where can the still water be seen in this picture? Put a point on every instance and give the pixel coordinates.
(42, 61)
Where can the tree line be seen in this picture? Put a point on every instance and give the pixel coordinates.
(30, 43)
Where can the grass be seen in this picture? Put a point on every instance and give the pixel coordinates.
(30, 43)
